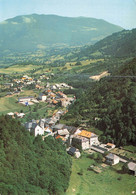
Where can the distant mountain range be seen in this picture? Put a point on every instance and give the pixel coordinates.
(120, 44)
(32, 32)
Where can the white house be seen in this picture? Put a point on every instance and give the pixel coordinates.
(38, 131)
(112, 159)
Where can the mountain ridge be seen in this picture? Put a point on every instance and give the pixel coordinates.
(27, 32)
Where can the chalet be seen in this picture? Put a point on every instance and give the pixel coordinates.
(112, 159)
(132, 168)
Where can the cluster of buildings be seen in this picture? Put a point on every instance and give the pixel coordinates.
(55, 98)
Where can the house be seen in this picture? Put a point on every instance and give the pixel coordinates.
(74, 152)
(30, 126)
(132, 168)
(10, 114)
(20, 115)
(71, 151)
(80, 141)
(112, 159)
(84, 138)
(63, 132)
(58, 127)
(38, 131)
(93, 138)
(42, 97)
(48, 130)
(110, 146)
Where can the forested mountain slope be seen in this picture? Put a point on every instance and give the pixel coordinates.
(120, 44)
(110, 105)
(29, 165)
(32, 32)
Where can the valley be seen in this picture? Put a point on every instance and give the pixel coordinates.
(75, 98)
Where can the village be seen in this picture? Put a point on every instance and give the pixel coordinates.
(76, 139)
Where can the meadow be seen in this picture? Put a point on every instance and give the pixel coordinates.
(109, 182)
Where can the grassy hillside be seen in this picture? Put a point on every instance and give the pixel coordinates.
(22, 33)
(110, 181)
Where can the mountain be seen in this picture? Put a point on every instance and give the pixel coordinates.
(120, 44)
(32, 32)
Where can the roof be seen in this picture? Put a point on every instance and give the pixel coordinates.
(112, 156)
(26, 97)
(60, 138)
(59, 126)
(85, 133)
(72, 150)
(110, 144)
(132, 166)
(63, 132)
(54, 101)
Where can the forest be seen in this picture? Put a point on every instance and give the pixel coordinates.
(109, 105)
(29, 165)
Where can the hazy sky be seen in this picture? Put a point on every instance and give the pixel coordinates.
(120, 12)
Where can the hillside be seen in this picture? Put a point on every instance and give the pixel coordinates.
(110, 106)
(30, 165)
(120, 44)
(32, 32)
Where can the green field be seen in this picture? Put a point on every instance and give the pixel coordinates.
(108, 182)
(18, 69)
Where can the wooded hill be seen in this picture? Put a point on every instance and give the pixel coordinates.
(35, 32)
(120, 44)
(110, 105)
(30, 165)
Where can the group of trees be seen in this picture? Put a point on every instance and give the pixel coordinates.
(112, 101)
(29, 165)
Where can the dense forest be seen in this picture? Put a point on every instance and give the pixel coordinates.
(29, 165)
(110, 105)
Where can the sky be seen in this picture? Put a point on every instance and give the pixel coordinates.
(119, 12)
